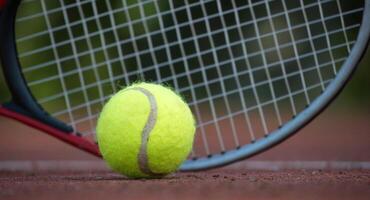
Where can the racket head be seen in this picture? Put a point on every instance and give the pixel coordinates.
(26, 108)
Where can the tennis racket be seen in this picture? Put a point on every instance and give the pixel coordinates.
(253, 72)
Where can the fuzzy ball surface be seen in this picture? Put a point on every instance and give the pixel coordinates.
(145, 131)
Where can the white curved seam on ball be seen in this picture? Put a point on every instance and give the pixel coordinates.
(149, 125)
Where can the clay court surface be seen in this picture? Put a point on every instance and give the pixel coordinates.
(218, 184)
(328, 159)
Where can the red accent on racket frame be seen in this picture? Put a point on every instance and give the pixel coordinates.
(69, 138)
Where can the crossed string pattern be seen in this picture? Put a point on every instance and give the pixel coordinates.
(244, 67)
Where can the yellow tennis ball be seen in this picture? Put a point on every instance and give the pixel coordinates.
(145, 130)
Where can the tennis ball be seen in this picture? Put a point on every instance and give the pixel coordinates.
(145, 131)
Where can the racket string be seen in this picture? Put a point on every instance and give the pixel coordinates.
(192, 91)
(63, 84)
(95, 115)
(207, 89)
(190, 56)
(134, 22)
(245, 67)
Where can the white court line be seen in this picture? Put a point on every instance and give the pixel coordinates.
(75, 165)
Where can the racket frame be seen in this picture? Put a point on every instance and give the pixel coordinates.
(25, 109)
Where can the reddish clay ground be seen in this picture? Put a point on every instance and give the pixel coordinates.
(218, 184)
